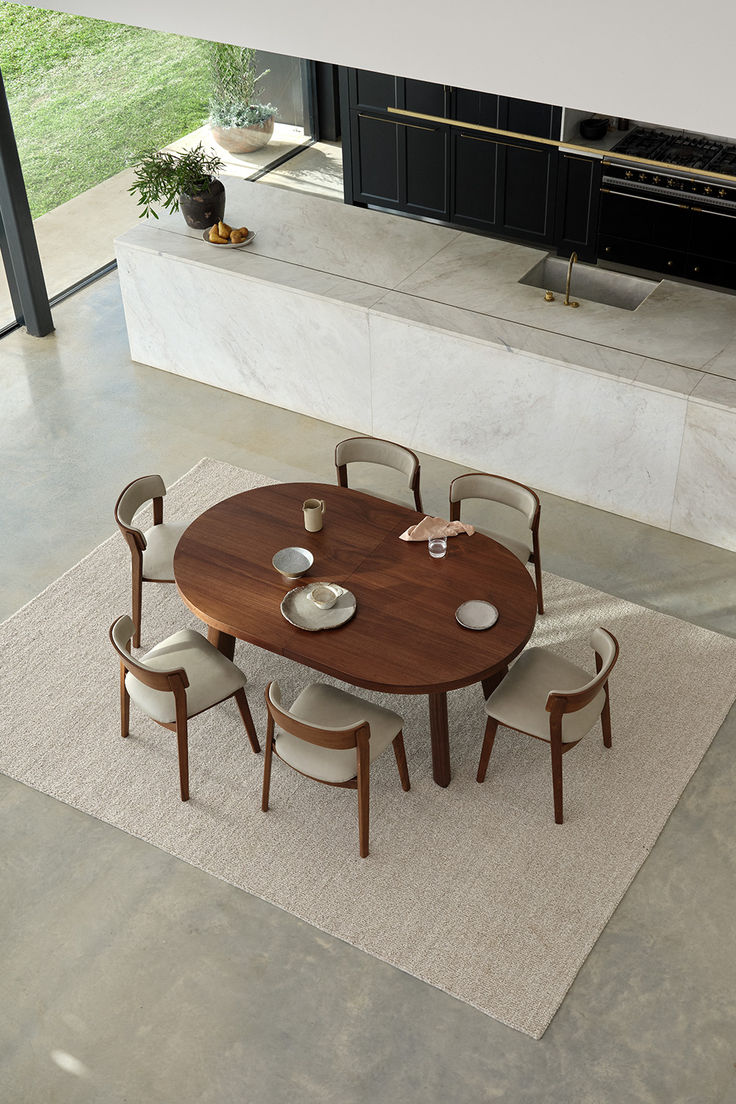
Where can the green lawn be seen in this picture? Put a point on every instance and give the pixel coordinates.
(87, 96)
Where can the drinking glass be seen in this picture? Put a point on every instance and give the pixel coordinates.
(437, 547)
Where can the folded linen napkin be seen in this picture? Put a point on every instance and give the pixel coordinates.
(435, 527)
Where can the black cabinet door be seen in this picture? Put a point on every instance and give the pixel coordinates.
(376, 155)
(527, 184)
(539, 120)
(480, 108)
(368, 89)
(425, 97)
(712, 234)
(424, 179)
(578, 200)
(399, 165)
(474, 169)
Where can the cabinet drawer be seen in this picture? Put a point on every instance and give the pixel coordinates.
(642, 255)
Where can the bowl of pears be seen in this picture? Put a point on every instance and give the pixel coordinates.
(224, 235)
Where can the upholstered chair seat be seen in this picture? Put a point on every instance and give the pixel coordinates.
(327, 707)
(552, 699)
(332, 737)
(158, 555)
(177, 679)
(212, 677)
(520, 701)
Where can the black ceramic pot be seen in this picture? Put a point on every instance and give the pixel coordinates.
(205, 209)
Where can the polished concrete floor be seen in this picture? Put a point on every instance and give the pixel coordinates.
(129, 976)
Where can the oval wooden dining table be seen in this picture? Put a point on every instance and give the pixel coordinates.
(403, 638)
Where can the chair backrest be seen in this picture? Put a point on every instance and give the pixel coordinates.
(495, 488)
(133, 496)
(327, 736)
(605, 646)
(121, 634)
(373, 450)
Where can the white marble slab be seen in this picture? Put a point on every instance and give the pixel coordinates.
(302, 229)
(284, 347)
(678, 323)
(594, 439)
(705, 495)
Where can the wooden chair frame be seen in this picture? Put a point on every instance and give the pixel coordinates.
(342, 471)
(136, 541)
(358, 737)
(175, 682)
(558, 705)
(534, 556)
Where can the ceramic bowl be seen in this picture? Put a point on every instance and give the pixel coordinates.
(292, 563)
(323, 595)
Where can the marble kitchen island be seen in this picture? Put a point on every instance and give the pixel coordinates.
(423, 334)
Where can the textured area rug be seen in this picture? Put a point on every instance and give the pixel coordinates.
(472, 888)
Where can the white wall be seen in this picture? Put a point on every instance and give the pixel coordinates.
(666, 62)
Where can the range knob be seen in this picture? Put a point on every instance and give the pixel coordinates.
(642, 176)
(707, 189)
(722, 193)
(656, 179)
(670, 182)
(629, 174)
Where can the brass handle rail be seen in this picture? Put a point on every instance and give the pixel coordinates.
(559, 143)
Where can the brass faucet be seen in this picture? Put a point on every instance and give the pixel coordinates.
(568, 302)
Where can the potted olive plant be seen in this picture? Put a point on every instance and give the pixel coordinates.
(185, 181)
(239, 122)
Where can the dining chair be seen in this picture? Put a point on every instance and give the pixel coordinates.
(332, 737)
(546, 696)
(515, 496)
(152, 550)
(373, 450)
(176, 680)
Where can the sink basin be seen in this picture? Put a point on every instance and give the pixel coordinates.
(599, 285)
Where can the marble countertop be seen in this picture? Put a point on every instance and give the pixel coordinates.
(682, 338)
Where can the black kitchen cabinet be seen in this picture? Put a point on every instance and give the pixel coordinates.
(424, 178)
(479, 108)
(528, 191)
(438, 170)
(474, 175)
(424, 97)
(539, 120)
(578, 191)
(375, 145)
(400, 165)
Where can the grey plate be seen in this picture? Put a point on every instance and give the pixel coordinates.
(476, 614)
(231, 245)
(292, 563)
(299, 609)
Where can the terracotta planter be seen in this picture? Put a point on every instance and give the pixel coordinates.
(203, 210)
(243, 139)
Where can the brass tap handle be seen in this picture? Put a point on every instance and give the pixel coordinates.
(549, 297)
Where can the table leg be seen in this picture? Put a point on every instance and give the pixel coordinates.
(490, 684)
(222, 641)
(440, 738)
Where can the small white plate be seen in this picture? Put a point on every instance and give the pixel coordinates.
(476, 615)
(230, 245)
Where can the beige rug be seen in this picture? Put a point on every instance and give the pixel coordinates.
(472, 888)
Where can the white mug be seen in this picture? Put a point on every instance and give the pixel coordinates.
(313, 509)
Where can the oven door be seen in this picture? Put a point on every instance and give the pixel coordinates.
(642, 231)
